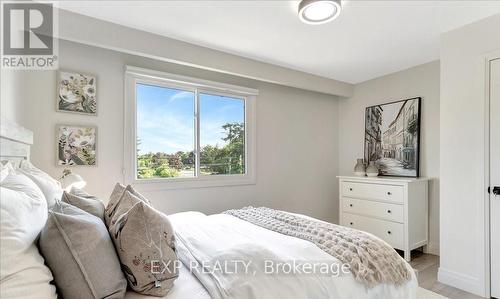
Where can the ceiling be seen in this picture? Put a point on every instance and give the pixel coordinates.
(368, 40)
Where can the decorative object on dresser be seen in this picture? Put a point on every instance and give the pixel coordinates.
(77, 93)
(393, 209)
(392, 133)
(76, 145)
(360, 168)
(372, 169)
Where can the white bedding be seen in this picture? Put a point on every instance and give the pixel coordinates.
(224, 237)
(187, 286)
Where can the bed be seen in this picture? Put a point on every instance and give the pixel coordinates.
(233, 234)
(226, 237)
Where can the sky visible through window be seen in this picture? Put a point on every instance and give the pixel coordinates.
(165, 118)
(217, 111)
(166, 133)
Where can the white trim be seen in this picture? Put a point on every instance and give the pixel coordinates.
(190, 81)
(486, 196)
(197, 138)
(432, 248)
(467, 283)
(487, 60)
(135, 75)
(383, 179)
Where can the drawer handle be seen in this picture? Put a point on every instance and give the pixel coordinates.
(350, 204)
(389, 193)
(389, 232)
(389, 211)
(351, 223)
(350, 189)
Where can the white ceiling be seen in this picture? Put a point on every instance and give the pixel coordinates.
(368, 40)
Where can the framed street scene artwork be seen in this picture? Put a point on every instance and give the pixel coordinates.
(392, 133)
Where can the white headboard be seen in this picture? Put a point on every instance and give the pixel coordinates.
(15, 141)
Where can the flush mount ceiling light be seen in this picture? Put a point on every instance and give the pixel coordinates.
(317, 12)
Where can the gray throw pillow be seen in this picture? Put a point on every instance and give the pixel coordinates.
(79, 252)
(144, 241)
(89, 204)
(116, 197)
(81, 193)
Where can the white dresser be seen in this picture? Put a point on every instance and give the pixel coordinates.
(394, 209)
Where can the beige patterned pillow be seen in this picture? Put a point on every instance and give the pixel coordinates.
(144, 241)
(115, 198)
(137, 194)
(127, 201)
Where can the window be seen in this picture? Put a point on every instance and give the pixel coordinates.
(165, 130)
(222, 135)
(187, 132)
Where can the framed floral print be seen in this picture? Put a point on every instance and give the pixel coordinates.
(77, 93)
(77, 145)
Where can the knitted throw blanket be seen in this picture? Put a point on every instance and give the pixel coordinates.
(371, 260)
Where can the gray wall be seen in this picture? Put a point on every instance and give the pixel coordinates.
(420, 81)
(304, 139)
(297, 133)
(300, 148)
(11, 82)
(464, 225)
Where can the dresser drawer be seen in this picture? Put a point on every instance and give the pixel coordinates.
(373, 191)
(390, 232)
(387, 211)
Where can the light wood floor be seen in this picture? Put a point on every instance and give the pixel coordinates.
(427, 266)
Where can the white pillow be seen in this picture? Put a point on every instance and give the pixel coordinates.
(50, 187)
(6, 168)
(23, 213)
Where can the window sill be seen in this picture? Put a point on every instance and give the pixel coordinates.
(192, 183)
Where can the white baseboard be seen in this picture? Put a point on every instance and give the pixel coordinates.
(461, 281)
(432, 248)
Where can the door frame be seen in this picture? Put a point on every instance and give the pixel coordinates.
(487, 113)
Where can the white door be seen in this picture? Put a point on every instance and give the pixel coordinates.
(495, 176)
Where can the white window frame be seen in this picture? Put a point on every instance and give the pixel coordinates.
(135, 75)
